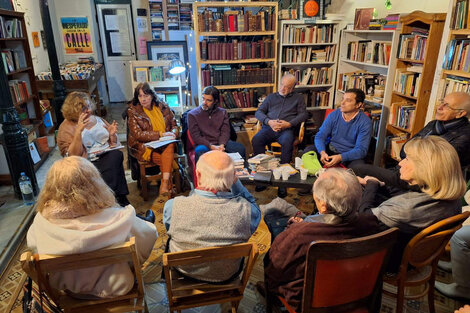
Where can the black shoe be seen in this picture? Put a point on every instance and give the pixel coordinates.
(281, 192)
(122, 200)
(304, 192)
(260, 188)
(149, 216)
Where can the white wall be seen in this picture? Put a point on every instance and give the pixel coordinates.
(33, 21)
(348, 7)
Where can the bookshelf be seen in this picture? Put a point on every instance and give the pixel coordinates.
(366, 59)
(418, 48)
(168, 15)
(157, 76)
(236, 51)
(309, 51)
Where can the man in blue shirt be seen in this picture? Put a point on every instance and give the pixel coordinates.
(345, 134)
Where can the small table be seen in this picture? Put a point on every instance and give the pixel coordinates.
(294, 181)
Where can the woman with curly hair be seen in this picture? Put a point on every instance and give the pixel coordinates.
(89, 136)
(149, 120)
(77, 213)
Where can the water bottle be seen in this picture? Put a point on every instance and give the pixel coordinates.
(26, 189)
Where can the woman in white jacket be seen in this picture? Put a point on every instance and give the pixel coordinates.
(77, 213)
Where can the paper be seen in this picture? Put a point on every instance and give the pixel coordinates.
(111, 22)
(158, 144)
(34, 153)
(142, 24)
(142, 45)
(120, 43)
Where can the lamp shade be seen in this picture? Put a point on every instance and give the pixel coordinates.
(177, 67)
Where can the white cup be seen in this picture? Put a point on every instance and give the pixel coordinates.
(285, 174)
(277, 173)
(298, 162)
(303, 173)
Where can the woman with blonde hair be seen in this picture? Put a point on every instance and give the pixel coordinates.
(432, 166)
(89, 136)
(149, 120)
(77, 213)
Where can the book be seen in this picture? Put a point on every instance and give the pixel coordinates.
(263, 176)
(141, 74)
(260, 158)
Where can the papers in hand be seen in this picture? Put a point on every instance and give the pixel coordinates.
(99, 152)
(160, 143)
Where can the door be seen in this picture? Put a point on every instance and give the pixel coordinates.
(117, 43)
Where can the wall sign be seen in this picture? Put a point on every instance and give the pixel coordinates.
(35, 36)
(76, 35)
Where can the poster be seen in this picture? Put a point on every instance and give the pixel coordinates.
(76, 35)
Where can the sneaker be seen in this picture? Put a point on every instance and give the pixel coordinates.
(281, 192)
(149, 216)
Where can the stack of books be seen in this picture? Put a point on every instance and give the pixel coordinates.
(263, 162)
(237, 49)
(392, 22)
(237, 160)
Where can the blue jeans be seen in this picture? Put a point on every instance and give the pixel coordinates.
(230, 147)
(267, 136)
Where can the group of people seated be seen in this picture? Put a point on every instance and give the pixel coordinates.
(83, 205)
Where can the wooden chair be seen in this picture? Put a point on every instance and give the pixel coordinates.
(343, 275)
(275, 147)
(145, 177)
(41, 267)
(420, 258)
(185, 293)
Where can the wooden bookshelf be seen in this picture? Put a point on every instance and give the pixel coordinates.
(353, 74)
(168, 15)
(215, 30)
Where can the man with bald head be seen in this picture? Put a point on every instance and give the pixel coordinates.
(220, 212)
(451, 123)
(280, 113)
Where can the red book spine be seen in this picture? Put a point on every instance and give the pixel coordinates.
(231, 23)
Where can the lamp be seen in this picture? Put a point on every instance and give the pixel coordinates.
(176, 67)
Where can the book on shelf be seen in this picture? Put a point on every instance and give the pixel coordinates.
(308, 54)
(457, 56)
(10, 28)
(413, 45)
(392, 22)
(406, 82)
(13, 60)
(460, 15)
(365, 81)
(312, 76)
(18, 90)
(218, 75)
(236, 21)
(236, 49)
(394, 145)
(369, 51)
(156, 74)
(313, 98)
(141, 74)
(402, 114)
(455, 84)
(247, 98)
(307, 34)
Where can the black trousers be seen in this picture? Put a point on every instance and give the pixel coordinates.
(110, 165)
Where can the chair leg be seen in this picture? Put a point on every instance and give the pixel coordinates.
(143, 183)
(400, 297)
(177, 180)
(235, 306)
(431, 281)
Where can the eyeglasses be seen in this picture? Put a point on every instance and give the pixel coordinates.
(446, 105)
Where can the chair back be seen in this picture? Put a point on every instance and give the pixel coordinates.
(186, 293)
(191, 157)
(426, 247)
(41, 267)
(342, 275)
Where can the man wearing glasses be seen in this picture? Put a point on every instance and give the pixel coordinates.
(451, 123)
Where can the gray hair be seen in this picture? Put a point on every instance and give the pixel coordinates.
(341, 191)
(214, 178)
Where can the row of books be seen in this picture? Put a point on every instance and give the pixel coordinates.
(237, 50)
(72, 71)
(236, 21)
(226, 75)
(312, 76)
(307, 34)
(394, 145)
(454, 84)
(412, 46)
(152, 74)
(313, 98)
(247, 98)
(406, 82)
(402, 114)
(460, 15)
(375, 117)
(10, 28)
(19, 90)
(369, 51)
(308, 54)
(457, 56)
(365, 81)
(13, 60)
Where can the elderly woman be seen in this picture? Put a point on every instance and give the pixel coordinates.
(149, 120)
(74, 218)
(432, 165)
(89, 136)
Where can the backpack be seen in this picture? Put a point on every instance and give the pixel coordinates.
(311, 162)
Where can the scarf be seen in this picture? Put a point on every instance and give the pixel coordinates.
(442, 127)
(158, 125)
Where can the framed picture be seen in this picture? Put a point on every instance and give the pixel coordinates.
(169, 50)
(311, 10)
(362, 18)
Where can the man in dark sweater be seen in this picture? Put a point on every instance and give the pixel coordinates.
(209, 126)
(451, 123)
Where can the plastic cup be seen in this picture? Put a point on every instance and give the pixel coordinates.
(303, 173)
(298, 162)
(277, 173)
(285, 175)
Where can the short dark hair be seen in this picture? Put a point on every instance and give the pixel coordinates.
(212, 91)
(145, 87)
(360, 95)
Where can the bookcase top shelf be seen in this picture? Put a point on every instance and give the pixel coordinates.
(243, 86)
(214, 34)
(236, 61)
(465, 31)
(365, 64)
(411, 60)
(457, 73)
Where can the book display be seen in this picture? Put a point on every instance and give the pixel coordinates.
(237, 53)
(417, 53)
(366, 59)
(309, 52)
(169, 15)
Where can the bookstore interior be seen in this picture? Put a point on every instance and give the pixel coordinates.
(405, 56)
